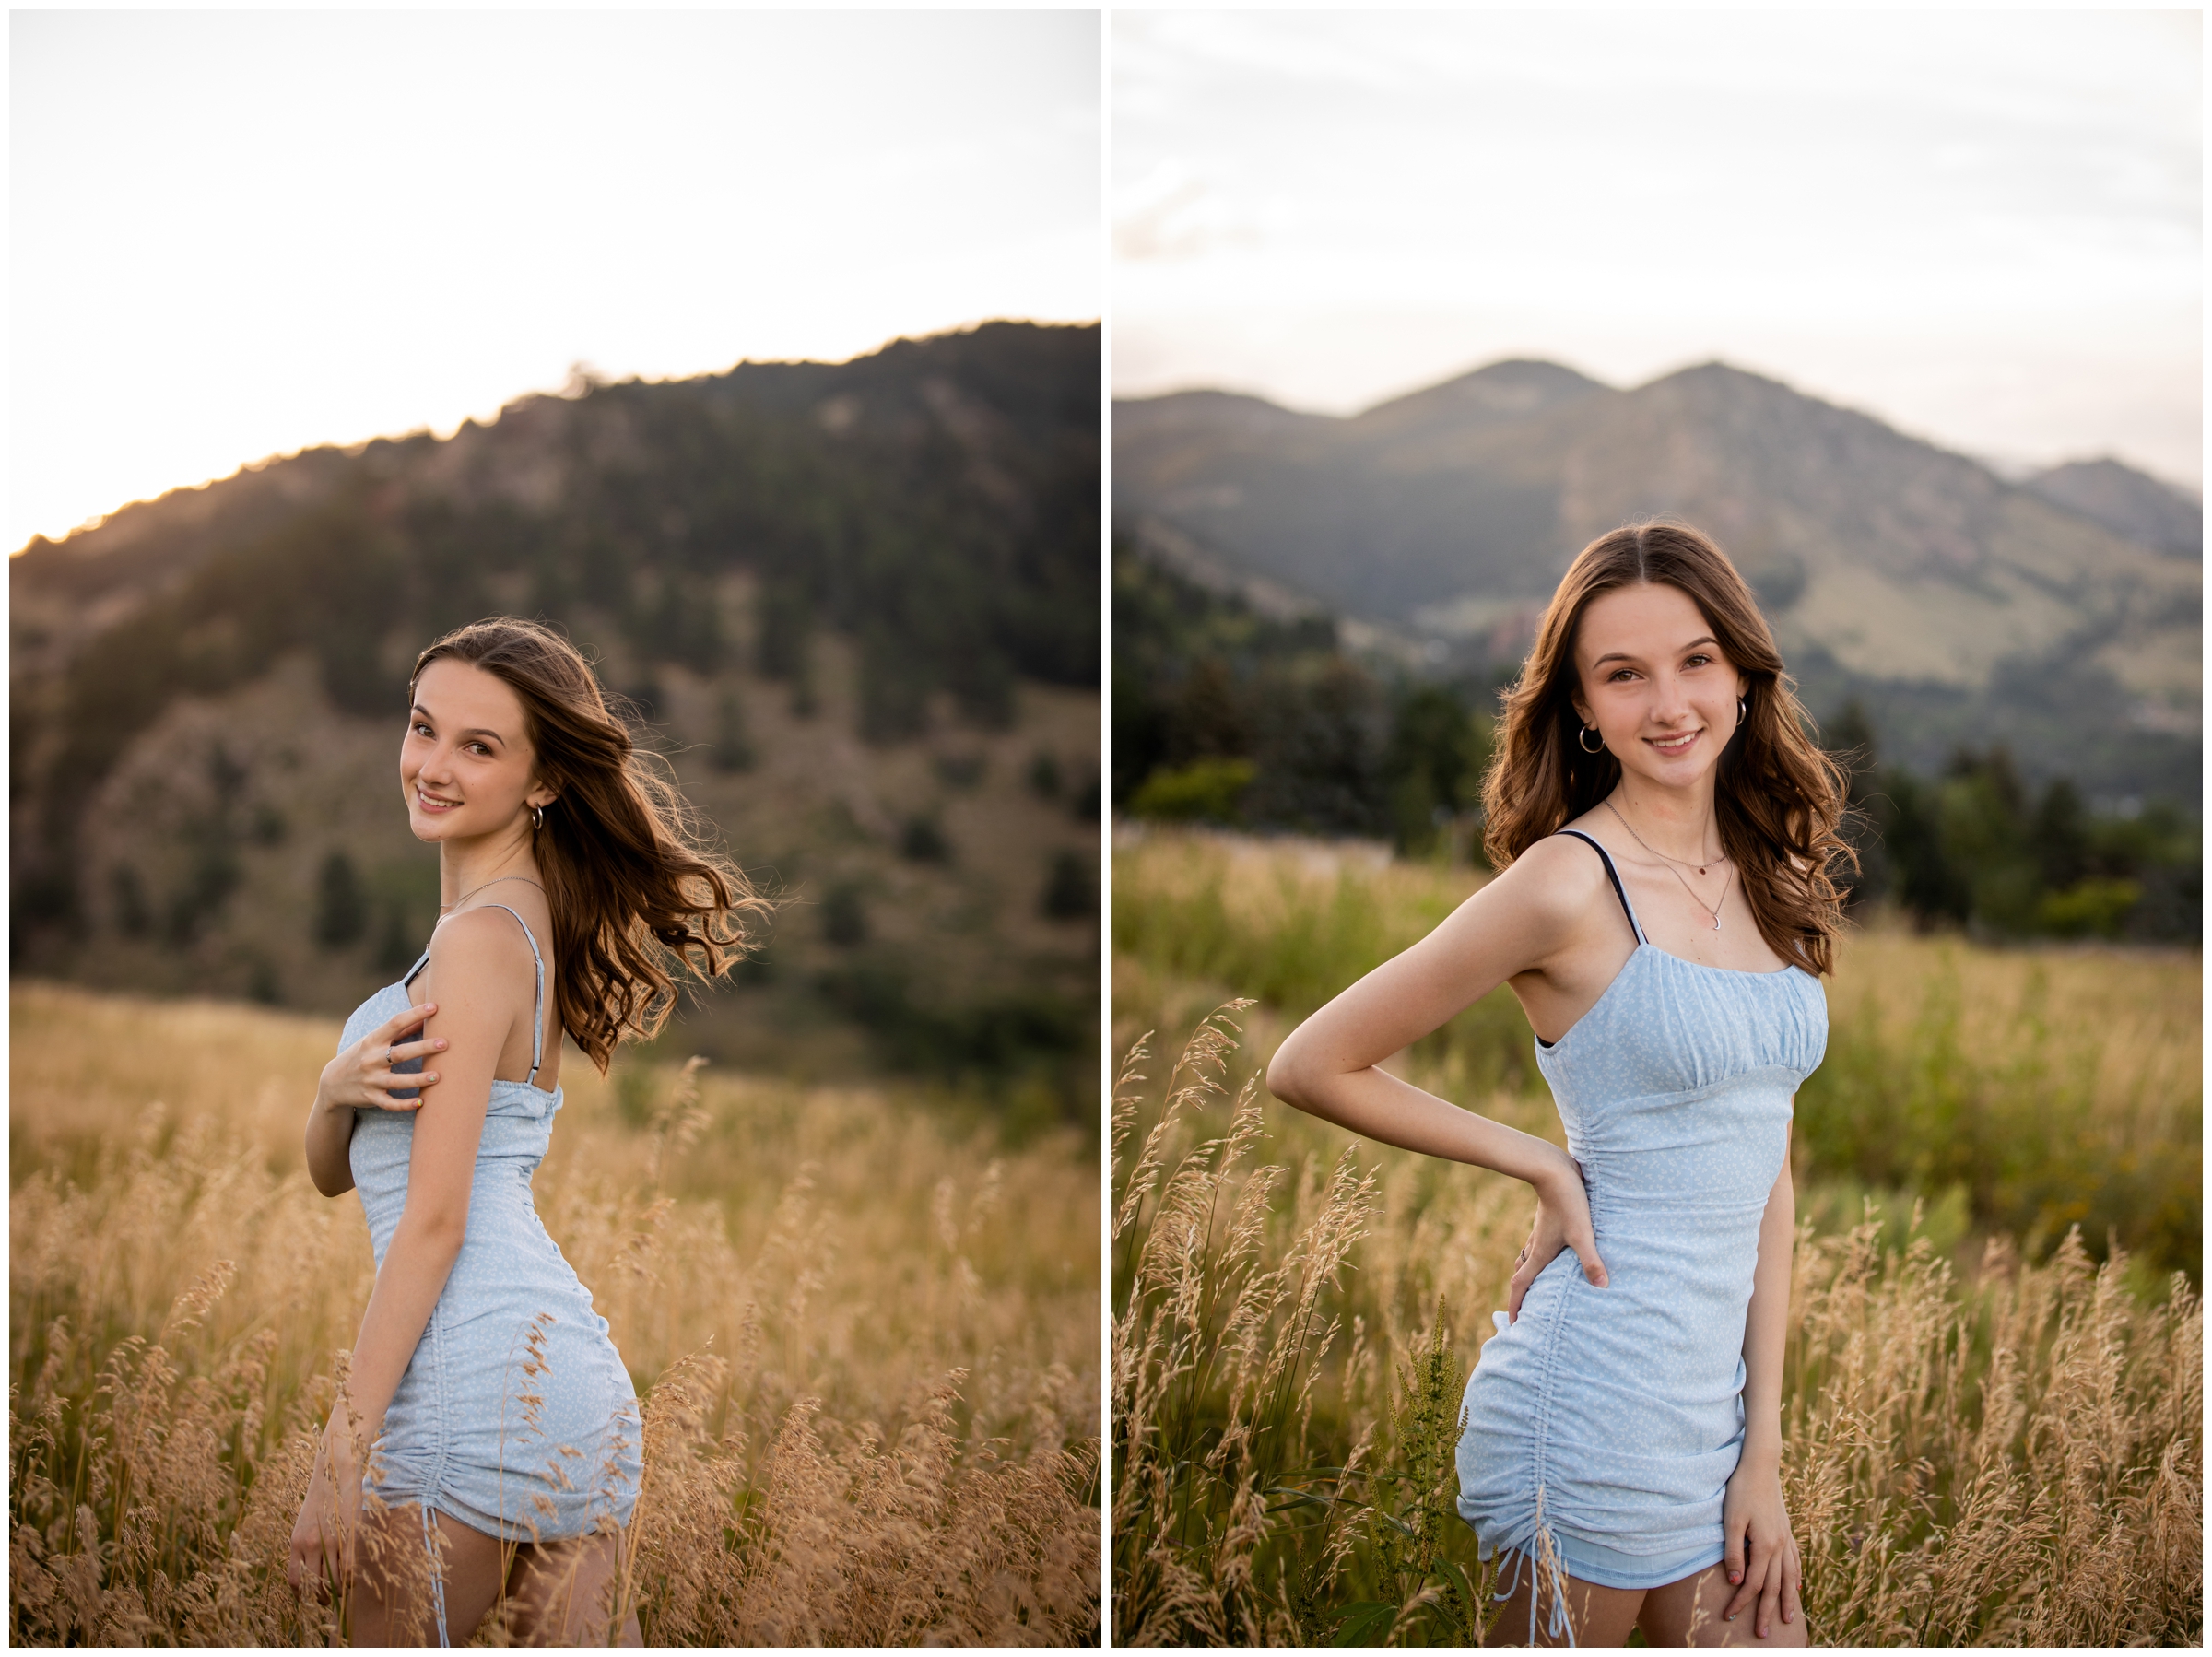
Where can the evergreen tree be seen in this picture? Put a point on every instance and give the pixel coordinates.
(1070, 893)
(341, 911)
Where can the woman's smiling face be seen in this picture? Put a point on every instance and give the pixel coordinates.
(1652, 679)
(467, 767)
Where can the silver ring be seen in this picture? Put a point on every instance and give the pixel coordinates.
(388, 1056)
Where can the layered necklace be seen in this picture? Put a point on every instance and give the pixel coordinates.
(1711, 910)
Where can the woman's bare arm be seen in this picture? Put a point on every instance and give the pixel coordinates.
(329, 1139)
(1538, 922)
(1523, 922)
(1767, 1323)
(1760, 1553)
(482, 989)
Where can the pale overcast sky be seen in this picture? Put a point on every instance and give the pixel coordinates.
(1984, 227)
(235, 235)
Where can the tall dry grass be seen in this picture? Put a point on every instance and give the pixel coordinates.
(2017, 1092)
(1992, 1431)
(2012, 1459)
(866, 1340)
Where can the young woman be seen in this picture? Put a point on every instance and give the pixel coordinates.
(1663, 828)
(501, 1429)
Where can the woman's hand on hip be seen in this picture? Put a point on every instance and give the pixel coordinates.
(1562, 1222)
(362, 1076)
(1759, 1551)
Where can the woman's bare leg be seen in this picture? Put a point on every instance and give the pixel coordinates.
(559, 1593)
(1688, 1613)
(555, 1594)
(393, 1603)
(1600, 1616)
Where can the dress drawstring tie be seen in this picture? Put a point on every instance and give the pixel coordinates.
(1539, 1555)
(429, 1544)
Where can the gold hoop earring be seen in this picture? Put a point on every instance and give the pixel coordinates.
(1589, 731)
(1743, 713)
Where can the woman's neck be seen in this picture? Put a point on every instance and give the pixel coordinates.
(1676, 822)
(465, 867)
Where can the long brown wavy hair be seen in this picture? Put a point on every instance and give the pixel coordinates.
(634, 887)
(1779, 799)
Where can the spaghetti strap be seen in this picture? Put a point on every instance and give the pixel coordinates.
(1612, 873)
(538, 1007)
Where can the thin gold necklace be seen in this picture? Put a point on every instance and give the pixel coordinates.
(525, 879)
(1670, 863)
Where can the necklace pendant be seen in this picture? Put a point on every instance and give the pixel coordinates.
(1716, 923)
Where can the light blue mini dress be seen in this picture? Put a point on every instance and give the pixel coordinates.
(1611, 1418)
(516, 1415)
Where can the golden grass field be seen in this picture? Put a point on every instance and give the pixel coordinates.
(866, 1333)
(1992, 1418)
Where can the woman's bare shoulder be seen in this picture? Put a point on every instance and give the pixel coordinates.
(1544, 896)
(483, 940)
(1558, 874)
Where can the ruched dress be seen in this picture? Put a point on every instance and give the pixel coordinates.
(1611, 1418)
(515, 1416)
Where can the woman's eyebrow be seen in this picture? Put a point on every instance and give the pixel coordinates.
(476, 731)
(1622, 656)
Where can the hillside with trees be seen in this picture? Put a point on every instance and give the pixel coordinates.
(1272, 718)
(856, 604)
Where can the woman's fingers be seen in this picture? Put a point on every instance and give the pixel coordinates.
(1539, 1252)
(418, 1049)
(1770, 1597)
(382, 1095)
(1585, 1249)
(405, 1020)
(1793, 1578)
(1735, 1544)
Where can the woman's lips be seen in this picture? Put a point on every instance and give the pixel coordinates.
(431, 803)
(1674, 744)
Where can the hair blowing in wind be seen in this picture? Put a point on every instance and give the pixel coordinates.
(1778, 798)
(634, 887)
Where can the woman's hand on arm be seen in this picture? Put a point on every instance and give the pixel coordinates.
(1760, 1552)
(474, 976)
(1330, 1065)
(361, 1078)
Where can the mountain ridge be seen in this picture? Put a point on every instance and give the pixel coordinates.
(1891, 566)
(856, 609)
